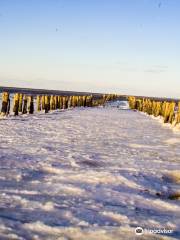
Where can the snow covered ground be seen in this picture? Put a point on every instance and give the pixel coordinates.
(87, 173)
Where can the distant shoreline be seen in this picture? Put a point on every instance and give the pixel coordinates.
(35, 91)
(45, 91)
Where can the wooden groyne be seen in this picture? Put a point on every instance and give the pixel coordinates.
(25, 103)
(5, 104)
(169, 111)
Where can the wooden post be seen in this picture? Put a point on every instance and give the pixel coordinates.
(84, 101)
(24, 111)
(65, 102)
(80, 101)
(56, 102)
(163, 109)
(77, 97)
(52, 103)
(70, 102)
(177, 118)
(47, 104)
(38, 102)
(60, 102)
(5, 104)
(171, 112)
(73, 101)
(132, 102)
(16, 104)
(20, 102)
(157, 109)
(104, 98)
(43, 102)
(30, 105)
(89, 101)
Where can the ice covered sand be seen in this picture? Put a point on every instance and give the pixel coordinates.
(87, 173)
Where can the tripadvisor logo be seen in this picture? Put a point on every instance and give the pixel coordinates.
(139, 231)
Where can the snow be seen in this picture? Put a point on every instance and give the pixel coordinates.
(88, 173)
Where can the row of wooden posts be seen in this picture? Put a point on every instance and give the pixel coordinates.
(25, 104)
(169, 111)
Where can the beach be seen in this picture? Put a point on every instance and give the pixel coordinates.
(87, 173)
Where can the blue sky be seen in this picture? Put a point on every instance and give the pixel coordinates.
(123, 46)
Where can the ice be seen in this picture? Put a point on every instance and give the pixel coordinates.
(88, 173)
(172, 141)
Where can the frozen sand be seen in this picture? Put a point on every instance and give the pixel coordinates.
(94, 173)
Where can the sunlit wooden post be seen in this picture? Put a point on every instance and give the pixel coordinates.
(43, 102)
(177, 117)
(132, 102)
(30, 104)
(20, 102)
(52, 103)
(5, 104)
(60, 102)
(65, 102)
(171, 112)
(73, 101)
(81, 101)
(70, 102)
(38, 102)
(84, 101)
(89, 101)
(24, 110)
(56, 102)
(47, 104)
(16, 104)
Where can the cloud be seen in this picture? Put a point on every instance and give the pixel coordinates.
(157, 69)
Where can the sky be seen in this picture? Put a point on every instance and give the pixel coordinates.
(118, 46)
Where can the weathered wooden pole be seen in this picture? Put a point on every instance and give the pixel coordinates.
(60, 102)
(30, 104)
(89, 101)
(149, 105)
(52, 103)
(5, 104)
(70, 101)
(38, 102)
(157, 109)
(65, 102)
(16, 104)
(171, 112)
(24, 110)
(84, 101)
(43, 102)
(166, 112)
(56, 102)
(163, 107)
(132, 102)
(74, 101)
(81, 101)
(47, 104)
(177, 117)
(20, 102)
(77, 101)
(104, 98)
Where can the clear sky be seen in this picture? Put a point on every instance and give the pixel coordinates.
(123, 46)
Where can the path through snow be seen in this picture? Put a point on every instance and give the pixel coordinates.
(86, 173)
